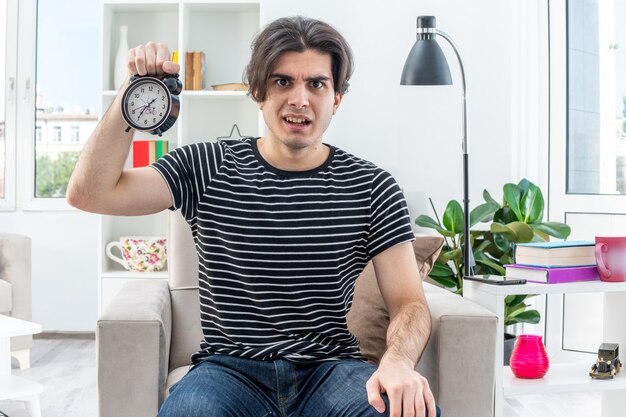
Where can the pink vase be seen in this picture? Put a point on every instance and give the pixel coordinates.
(529, 359)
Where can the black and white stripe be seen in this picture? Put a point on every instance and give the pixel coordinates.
(280, 251)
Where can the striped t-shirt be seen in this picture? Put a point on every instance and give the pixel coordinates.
(280, 251)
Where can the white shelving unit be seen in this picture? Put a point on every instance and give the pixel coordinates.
(568, 372)
(224, 31)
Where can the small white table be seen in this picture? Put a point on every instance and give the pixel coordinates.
(11, 386)
(561, 377)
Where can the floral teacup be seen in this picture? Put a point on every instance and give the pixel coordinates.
(140, 253)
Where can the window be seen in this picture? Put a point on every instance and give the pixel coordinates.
(66, 95)
(75, 135)
(3, 146)
(596, 104)
(58, 134)
(38, 134)
(8, 86)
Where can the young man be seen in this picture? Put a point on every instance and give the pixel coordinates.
(283, 225)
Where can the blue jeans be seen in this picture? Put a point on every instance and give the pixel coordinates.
(227, 386)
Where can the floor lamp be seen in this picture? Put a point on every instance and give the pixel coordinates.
(427, 65)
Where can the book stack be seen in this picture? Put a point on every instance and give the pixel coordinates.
(146, 152)
(194, 70)
(554, 262)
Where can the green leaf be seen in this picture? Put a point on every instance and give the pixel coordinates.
(523, 231)
(483, 213)
(515, 310)
(453, 217)
(540, 236)
(448, 282)
(529, 316)
(523, 185)
(504, 216)
(429, 222)
(512, 197)
(489, 199)
(514, 300)
(453, 254)
(426, 221)
(441, 270)
(482, 247)
(517, 232)
(556, 229)
(491, 264)
(506, 259)
(502, 243)
(532, 204)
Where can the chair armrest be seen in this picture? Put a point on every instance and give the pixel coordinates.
(132, 350)
(459, 358)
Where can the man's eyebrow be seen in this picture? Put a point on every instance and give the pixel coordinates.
(282, 76)
(290, 78)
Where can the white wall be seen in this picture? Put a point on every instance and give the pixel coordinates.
(64, 266)
(414, 132)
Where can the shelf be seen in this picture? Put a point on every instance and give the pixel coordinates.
(134, 275)
(153, 6)
(213, 93)
(223, 30)
(192, 93)
(203, 6)
(561, 378)
(536, 288)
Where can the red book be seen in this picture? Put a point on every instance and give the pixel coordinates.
(141, 153)
(552, 275)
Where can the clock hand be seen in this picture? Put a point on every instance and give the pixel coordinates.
(143, 110)
(148, 105)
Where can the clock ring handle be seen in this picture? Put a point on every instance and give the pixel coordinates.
(173, 83)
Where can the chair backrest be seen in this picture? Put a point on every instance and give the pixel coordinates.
(183, 280)
(368, 320)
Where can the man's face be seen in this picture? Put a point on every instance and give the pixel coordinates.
(301, 99)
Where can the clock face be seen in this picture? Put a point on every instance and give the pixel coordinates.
(146, 104)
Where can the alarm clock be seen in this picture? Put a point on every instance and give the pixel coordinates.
(151, 104)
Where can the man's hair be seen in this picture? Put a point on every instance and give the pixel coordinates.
(296, 34)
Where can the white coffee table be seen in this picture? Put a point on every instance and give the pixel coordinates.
(11, 386)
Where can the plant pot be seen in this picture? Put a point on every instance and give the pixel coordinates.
(509, 344)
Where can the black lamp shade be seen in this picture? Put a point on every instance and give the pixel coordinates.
(426, 65)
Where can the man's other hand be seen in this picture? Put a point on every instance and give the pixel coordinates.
(409, 393)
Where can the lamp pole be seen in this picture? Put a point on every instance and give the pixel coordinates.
(467, 249)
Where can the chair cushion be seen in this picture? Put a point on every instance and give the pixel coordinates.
(368, 319)
(5, 296)
(174, 376)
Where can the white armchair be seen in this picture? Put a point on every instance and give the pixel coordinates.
(15, 289)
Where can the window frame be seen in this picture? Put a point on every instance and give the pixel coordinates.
(8, 202)
(26, 118)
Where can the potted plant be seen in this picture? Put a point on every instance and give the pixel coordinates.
(518, 219)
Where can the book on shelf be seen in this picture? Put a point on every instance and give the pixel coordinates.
(189, 71)
(194, 70)
(146, 152)
(552, 275)
(556, 254)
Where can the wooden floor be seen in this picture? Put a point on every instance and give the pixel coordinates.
(66, 366)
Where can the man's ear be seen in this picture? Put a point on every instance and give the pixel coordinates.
(254, 95)
(338, 98)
